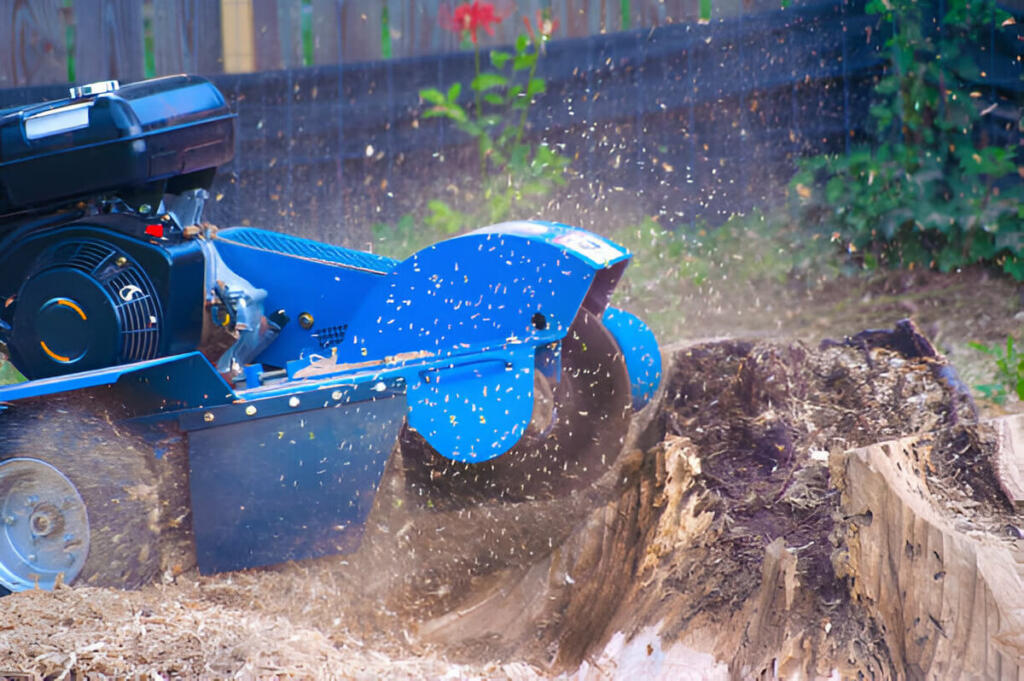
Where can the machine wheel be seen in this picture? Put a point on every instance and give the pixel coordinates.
(576, 432)
(79, 499)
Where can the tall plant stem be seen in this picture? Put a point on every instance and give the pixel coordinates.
(479, 107)
(522, 115)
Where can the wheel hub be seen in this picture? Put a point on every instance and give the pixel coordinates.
(44, 528)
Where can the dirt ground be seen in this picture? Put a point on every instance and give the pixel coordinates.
(723, 489)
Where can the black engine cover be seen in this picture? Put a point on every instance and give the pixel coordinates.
(88, 298)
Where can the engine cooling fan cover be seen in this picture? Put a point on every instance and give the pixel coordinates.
(86, 305)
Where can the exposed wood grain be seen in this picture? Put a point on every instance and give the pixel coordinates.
(187, 37)
(947, 595)
(1010, 459)
(108, 40)
(34, 51)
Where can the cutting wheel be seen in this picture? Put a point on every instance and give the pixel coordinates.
(83, 502)
(576, 431)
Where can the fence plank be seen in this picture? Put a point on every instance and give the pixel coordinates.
(187, 37)
(646, 13)
(416, 29)
(681, 11)
(289, 21)
(34, 47)
(326, 31)
(277, 34)
(237, 36)
(360, 30)
(108, 40)
(346, 30)
(582, 18)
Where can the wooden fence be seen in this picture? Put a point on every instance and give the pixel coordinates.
(54, 41)
(687, 120)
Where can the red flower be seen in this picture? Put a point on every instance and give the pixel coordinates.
(470, 17)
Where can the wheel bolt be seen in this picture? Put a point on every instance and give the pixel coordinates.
(32, 557)
(9, 520)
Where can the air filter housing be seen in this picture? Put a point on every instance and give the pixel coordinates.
(85, 305)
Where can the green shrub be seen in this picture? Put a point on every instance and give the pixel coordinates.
(928, 192)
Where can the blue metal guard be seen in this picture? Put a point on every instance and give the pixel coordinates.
(305, 248)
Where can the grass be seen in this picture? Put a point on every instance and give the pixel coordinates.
(8, 374)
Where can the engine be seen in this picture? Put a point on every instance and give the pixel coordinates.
(90, 297)
(96, 268)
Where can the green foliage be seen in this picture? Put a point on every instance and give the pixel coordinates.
(515, 173)
(1009, 371)
(928, 193)
(8, 374)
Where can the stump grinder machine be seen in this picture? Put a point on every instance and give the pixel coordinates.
(229, 398)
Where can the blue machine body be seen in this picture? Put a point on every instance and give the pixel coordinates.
(288, 366)
(285, 464)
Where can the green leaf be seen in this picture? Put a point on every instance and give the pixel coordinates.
(493, 98)
(518, 156)
(525, 61)
(443, 217)
(488, 81)
(982, 347)
(456, 113)
(535, 87)
(432, 95)
(499, 58)
(834, 189)
(992, 391)
(469, 127)
(1014, 266)
(435, 112)
(522, 42)
(453, 92)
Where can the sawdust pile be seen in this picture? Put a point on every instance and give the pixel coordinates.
(205, 630)
(720, 528)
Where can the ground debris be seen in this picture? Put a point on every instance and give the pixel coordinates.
(719, 538)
